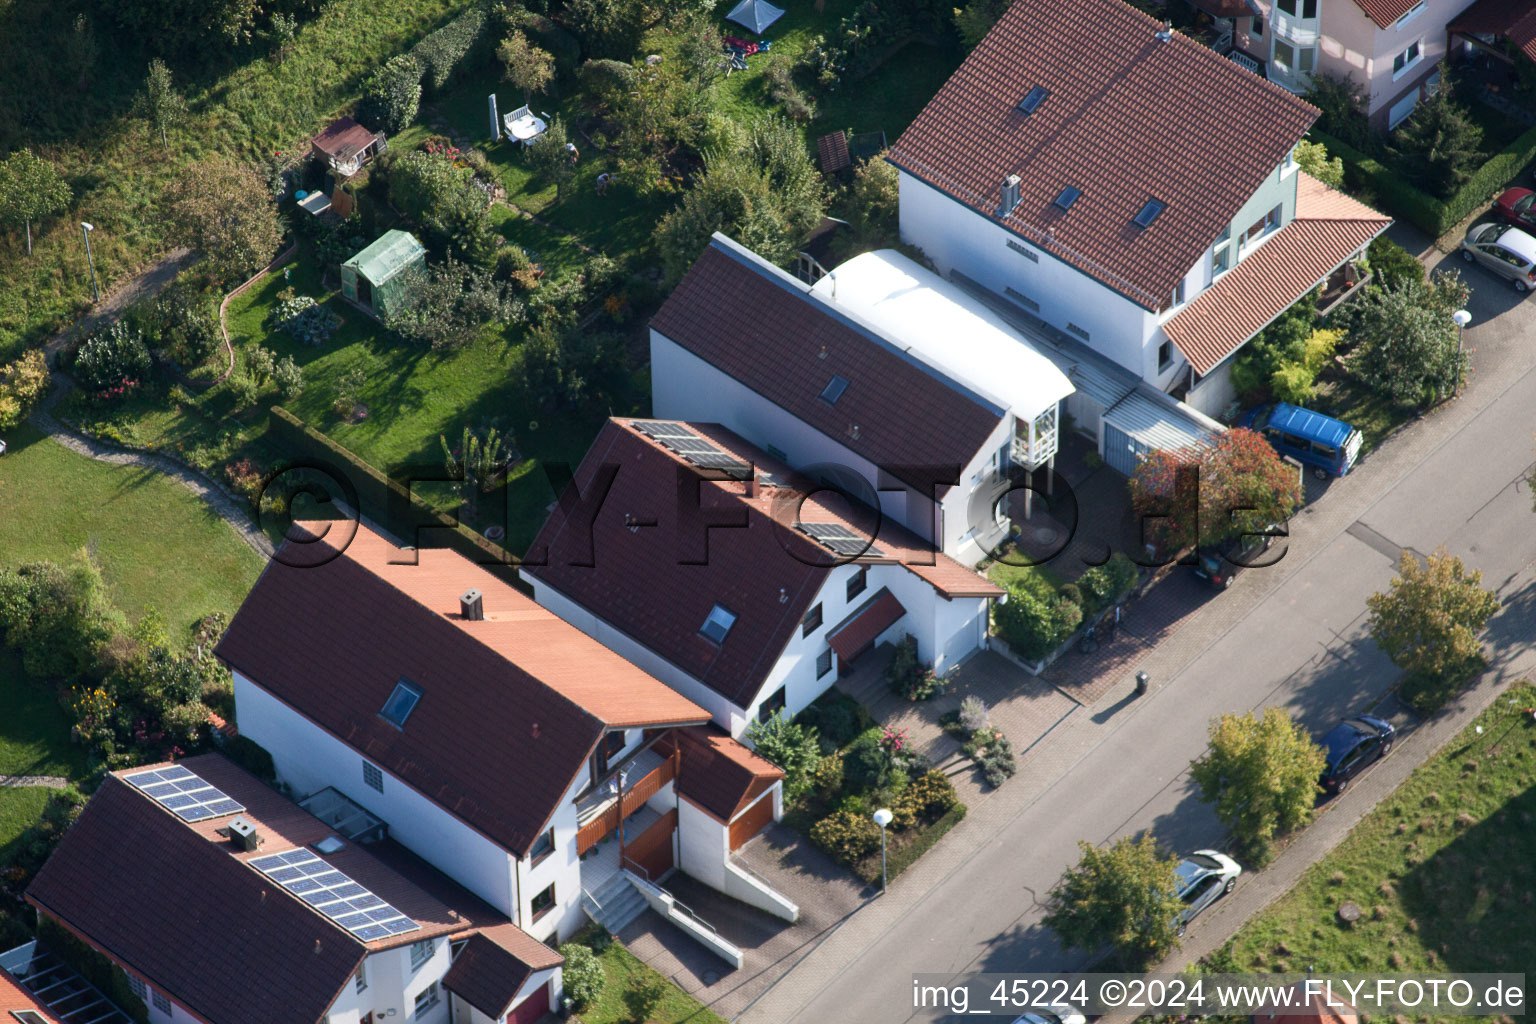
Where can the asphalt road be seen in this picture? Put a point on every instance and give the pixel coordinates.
(1291, 636)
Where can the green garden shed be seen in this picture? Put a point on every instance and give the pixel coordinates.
(376, 278)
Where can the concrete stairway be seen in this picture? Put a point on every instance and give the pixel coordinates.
(615, 903)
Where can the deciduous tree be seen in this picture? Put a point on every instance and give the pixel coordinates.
(550, 159)
(224, 211)
(1234, 485)
(30, 189)
(451, 305)
(1126, 897)
(1313, 158)
(160, 104)
(1428, 620)
(1405, 339)
(22, 383)
(791, 746)
(1260, 774)
(525, 65)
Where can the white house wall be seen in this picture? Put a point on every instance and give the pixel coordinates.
(562, 869)
(704, 844)
(956, 237)
(308, 758)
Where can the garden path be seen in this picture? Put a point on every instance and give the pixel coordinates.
(146, 282)
(17, 781)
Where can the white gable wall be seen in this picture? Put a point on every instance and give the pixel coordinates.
(308, 758)
(562, 869)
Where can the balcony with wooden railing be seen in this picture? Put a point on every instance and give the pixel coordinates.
(599, 813)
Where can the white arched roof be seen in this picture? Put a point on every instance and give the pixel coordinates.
(939, 323)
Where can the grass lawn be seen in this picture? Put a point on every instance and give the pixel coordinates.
(34, 731)
(622, 969)
(1374, 415)
(1443, 869)
(19, 808)
(159, 546)
(1040, 578)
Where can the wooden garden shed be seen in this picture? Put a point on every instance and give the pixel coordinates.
(376, 278)
(345, 146)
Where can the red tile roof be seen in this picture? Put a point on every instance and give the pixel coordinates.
(832, 152)
(868, 621)
(14, 997)
(1513, 19)
(1329, 228)
(188, 918)
(719, 774)
(511, 706)
(1127, 118)
(639, 578)
(1386, 12)
(760, 327)
(494, 965)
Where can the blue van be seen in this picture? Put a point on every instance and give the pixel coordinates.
(1328, 445)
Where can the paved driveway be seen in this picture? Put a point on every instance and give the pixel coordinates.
(1291, 636)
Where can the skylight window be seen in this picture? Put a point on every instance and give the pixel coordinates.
(1067, 197)
(834, 390)
(1149, 212)
(401, 702)
(1032, 99)
(718, 624)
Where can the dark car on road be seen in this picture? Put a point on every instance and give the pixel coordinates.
(1219, 564)
(1353, 745)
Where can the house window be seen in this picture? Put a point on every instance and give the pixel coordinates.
(402, 701)
(1178, 294)
(1285, 55)
(1406, 60)
(812, 621)
(1164, 356)
(1413, 12)
(421, 952)
(426, 999)
(543, 903)
(137, 987)
(360, 979)
(162, 1002)
(1024, 250)
(373, 776)
(857, 582)
(1221, 259)
(1074, 329)
(613, 742)
(1306, 62)
(1260, 227)
(772, 706)
(1256, 29)
(1022, 299)
(542, 847)
(824, 663)
(1308, 8)
(718, 624)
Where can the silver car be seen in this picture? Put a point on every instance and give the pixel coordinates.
(1056, 1014)
(1205, 876)
(1505, 250)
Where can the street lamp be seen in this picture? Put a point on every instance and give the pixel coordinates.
(86, 229)
(882, 818)
(1462, 318)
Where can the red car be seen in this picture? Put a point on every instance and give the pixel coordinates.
(1518, 206)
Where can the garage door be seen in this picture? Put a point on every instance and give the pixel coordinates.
(1120, 450)
(532, 1008)
(752, 821)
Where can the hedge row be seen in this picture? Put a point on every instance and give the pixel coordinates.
(440, 52)
(382, 499)
(906, 854)
(1402, 199)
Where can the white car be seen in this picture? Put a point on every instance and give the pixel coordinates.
(1059, 1013)
(1205, 876)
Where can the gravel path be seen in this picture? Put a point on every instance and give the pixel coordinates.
(18, 781)
(152, 279)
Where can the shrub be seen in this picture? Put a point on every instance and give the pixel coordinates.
(908, 676)
(995, 758)
(866, 763)
(875, 200)
(547, 35)
(260, 363)
(452, 304)
(391, 95)
(930, 795)
(243, 390)
(22, 383)
(112, 360)
(828, 777)
(1391, 263)
(846, 836)
(1034, 626)
(56, 617)
(289, 378)
(973, 714)
(607, 28)
(305, 320)
(441, 52)
(1102, 584)
(181, 323)
(834, 716)
(792, 747)
(583, 974)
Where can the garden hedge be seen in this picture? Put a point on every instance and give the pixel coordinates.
(383, 499)
(440, 53)
(1402, 199)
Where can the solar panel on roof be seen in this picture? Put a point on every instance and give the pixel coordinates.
(662, 428)
(693, 448)
(334, 894)
(839, 538)
(184, 793)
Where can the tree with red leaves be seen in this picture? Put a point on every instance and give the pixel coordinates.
(1202, 496)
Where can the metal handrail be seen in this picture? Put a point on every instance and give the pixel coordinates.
(679, 904)
(738, 862)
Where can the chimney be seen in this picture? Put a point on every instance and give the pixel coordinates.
(1165, 33)
(244, 835)
(471, 606)
(1010, 195)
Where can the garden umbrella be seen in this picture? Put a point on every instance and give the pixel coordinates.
(756, 15)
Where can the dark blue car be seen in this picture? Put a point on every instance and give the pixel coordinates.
(1351, 747)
